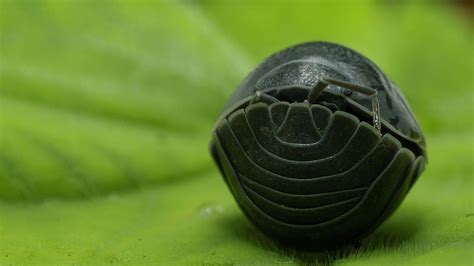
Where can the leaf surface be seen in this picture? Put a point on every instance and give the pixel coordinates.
(106, 109)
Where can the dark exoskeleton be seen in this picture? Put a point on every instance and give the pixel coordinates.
(317, 145)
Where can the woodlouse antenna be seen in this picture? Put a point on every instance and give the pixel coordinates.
(322, 84)
(262, 97)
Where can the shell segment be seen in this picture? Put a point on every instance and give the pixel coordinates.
(303, 172)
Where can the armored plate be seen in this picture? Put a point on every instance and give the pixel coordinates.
(317, 173)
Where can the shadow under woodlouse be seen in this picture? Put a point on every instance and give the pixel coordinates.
(391, 235)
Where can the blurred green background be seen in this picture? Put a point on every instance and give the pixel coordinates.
(106, 109)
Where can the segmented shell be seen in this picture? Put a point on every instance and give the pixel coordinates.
(302, 172)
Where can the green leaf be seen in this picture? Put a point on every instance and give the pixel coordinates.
(106, 109)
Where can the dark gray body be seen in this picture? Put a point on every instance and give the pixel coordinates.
(317, 173)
